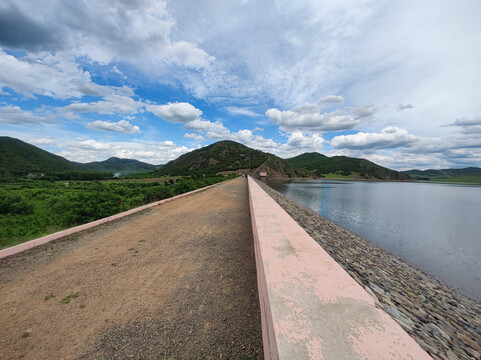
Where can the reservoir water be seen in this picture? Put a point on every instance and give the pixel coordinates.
(435, 227)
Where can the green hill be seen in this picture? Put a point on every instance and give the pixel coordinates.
(123, 166)
(468, 175)
(228, 156)
(17, 158)
(343, 166)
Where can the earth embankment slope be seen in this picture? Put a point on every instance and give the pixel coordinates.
(178, 280)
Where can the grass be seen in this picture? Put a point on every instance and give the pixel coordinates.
(49, 296)
(25, 334)
(338, 176)
(33, 208)
(68, 298)
(468, 179)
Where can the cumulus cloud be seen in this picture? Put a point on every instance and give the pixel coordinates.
(152, 153)
(402, 107)
(49, 75)
(93, 145)
(122, 126)
(213, 130)
(193, 136)
(15, 115)
(389, 137)
(136, 31)
(331, 99)
(466, 121)
(179, 112)
(42, 141)
(301, 141)
(111, 104)
(365, 111)
(308, 118)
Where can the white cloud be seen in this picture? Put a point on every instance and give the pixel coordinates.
(303, 142)
(193, 136)
(331, 99)
(402, 107)
(179, 112)
(93, 145)
(92, 150)
(466, 121)
(15, 115)
(111, 104)
(365, 111)
(134, 31)
(213, 130)
(122, 126)
(390, 137)
(42, 141)
(49, 75)
(308, 118)
(241, 111)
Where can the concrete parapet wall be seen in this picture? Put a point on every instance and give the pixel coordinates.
(58, 235)
(310, 307)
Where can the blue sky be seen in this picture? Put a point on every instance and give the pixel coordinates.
(396, 82)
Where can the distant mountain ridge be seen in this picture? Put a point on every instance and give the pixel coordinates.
(19, 158)
(320, 165)
(228, 156)
(457, 175)
(118, 165)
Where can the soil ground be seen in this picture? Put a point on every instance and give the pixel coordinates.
(174, 281)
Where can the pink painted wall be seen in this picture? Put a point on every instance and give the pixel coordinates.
(310, 307)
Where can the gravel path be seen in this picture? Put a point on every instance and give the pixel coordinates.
(174, 282)
(444, 322)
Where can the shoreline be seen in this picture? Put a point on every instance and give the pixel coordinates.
(444, 322)
(467, 183)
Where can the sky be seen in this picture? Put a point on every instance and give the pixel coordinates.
(395, 82)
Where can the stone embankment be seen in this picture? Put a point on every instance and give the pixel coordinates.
(444, 322)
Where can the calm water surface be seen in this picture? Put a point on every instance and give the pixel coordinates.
(435, 227)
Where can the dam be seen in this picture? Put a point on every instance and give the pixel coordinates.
(221, 273)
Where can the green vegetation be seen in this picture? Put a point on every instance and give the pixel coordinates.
(344, 167)
(18, 158)
(69, 298)
(25, 334)
(34, 208)
(123, 166)
(49, 296)
(469, 175)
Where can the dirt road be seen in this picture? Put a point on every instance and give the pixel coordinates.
(176, 281)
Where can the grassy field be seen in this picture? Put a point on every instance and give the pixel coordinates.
(467, 179)
(34, 208)
(352, 176)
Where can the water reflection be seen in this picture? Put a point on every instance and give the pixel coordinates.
(435, 227)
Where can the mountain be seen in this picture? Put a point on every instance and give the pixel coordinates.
(116, 165)
(19, 159)
(321, 165)
(469, 174)
(227, 156)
